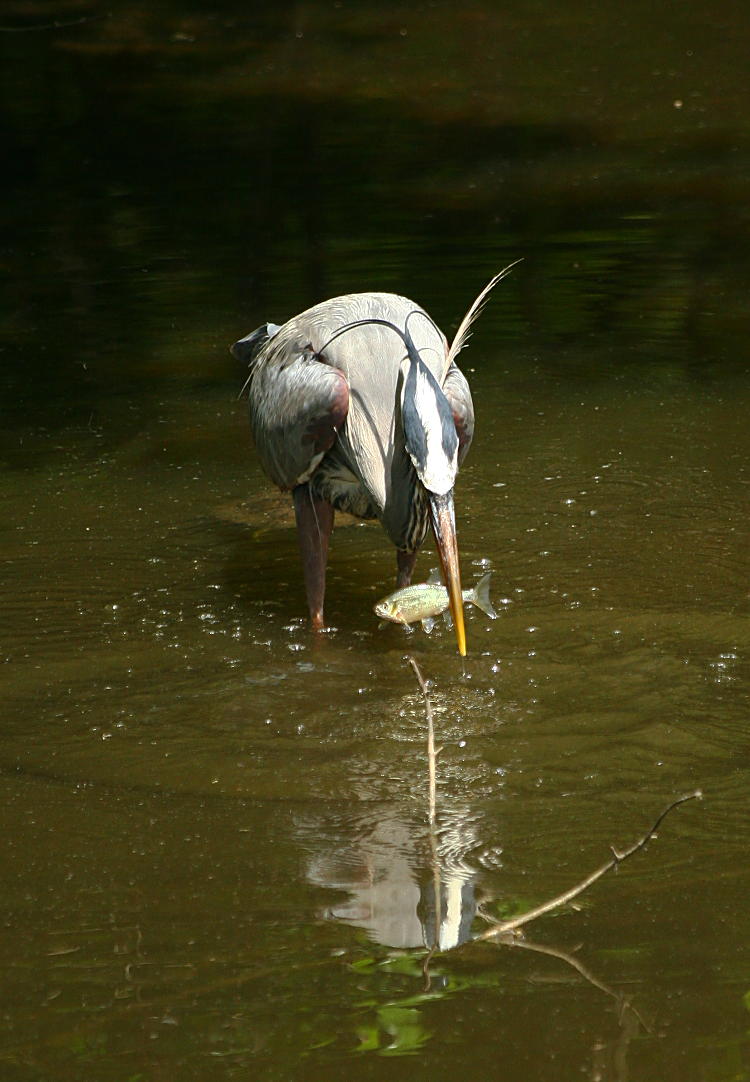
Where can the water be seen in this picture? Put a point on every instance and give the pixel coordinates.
(217, 860)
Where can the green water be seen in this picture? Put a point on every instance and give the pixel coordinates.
(216, 860)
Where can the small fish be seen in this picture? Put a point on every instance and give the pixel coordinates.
(426, 600)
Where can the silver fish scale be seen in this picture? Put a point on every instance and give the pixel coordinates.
(420, 601)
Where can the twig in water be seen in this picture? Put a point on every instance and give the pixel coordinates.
(432, 755)
(561, 899)
(571, 960)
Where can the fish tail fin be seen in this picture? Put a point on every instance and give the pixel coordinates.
(480, 596)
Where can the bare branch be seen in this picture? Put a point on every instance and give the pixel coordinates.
(431, 753)
(432, 811)
(568, 895)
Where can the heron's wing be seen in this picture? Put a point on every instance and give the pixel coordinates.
(456, 390)
(297, 404)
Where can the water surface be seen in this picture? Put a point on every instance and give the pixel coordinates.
(217, 860)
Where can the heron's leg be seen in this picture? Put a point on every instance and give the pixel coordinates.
(314, 525)
(405, 562)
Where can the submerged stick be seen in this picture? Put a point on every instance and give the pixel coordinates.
(568, 895)
(432, 755)
(570, 959)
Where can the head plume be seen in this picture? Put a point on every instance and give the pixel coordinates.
(475, 310)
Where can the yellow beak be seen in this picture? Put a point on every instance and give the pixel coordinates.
(444, 527)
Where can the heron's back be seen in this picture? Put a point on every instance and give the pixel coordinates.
(371, 442)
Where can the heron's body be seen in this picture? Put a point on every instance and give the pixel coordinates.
(373, 420)
(296, 398)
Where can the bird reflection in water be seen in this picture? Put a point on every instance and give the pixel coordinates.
(393, 892)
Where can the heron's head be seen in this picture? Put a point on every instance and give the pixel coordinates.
(432, 444)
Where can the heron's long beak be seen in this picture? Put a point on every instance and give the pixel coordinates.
(444, 525)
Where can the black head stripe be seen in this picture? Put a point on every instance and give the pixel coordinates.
(414, 429)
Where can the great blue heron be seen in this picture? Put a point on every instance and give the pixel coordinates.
(358, 405)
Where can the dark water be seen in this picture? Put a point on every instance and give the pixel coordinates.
(216, 856)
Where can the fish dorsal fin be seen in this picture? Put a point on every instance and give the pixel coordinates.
(435, 578)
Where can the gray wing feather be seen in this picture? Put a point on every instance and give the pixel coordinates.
(297, 404)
